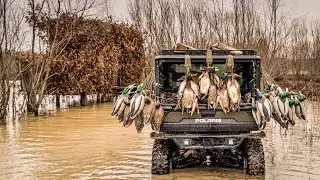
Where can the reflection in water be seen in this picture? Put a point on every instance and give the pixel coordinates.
(85, 143)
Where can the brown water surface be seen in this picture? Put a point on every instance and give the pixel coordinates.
(85, 143)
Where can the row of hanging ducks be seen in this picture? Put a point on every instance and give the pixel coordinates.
(134, 105)
(225, 92)
(282, 106)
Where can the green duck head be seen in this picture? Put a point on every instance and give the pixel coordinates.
(259, 95)
(140, 88)
(128, 89)
(296, 102)
(223, 76)
(283, 94)
(254, 106)
(125, 90)
(301, 97)
(253, 103)
(189, 76)
(291, 101)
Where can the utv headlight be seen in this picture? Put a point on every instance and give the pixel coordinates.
(186, 142)
(230, 141)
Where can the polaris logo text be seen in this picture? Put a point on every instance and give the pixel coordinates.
(208, 120)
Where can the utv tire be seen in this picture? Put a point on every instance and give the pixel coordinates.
(255, 157)
(161, 156)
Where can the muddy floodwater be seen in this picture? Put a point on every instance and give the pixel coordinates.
(86, 143)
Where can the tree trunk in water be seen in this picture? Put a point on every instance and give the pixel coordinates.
(98, 98)
(103, 97)
(83, 99)
(36, 112)
(57, 101)
(29, 106)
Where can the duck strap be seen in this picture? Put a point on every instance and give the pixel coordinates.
(187, 63)
(229, 64)
(209, 59)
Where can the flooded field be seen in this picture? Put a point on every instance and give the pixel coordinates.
(85, 143)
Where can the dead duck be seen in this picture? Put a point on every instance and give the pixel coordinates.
(275, 102)
(195, 105)
(119, 104)
(187, 99)
(299, 110)
(204, 83)
(121, 101)
(233, 89)
(223, 98)
(182, 86)
(212, 96)
(194, 87)
(126, 117)
(256, 115)
(137, 103)
(291, 112)
(148, 110)
(264, 106)
(158, 118)
(215, 79)
(138, 122)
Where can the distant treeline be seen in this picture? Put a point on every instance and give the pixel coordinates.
(289, 46)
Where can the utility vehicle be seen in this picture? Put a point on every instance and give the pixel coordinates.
(211, 137)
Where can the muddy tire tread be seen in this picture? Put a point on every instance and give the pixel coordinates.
(161, 157)
(255, 157)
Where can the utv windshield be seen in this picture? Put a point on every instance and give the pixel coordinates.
(171, 72)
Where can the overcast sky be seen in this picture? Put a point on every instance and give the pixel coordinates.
(298, 8)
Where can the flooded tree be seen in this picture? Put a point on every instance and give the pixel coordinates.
(50, 48)
(11, 41)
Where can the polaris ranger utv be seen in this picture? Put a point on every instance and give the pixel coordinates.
(210, 137)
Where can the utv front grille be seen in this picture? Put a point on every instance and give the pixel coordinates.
(208, 143)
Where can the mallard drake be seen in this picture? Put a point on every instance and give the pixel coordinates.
(291, 111)
(256, 115)
(299, 110)
(137, 103)
(121, 101)
(264, 106)
(278, 108)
